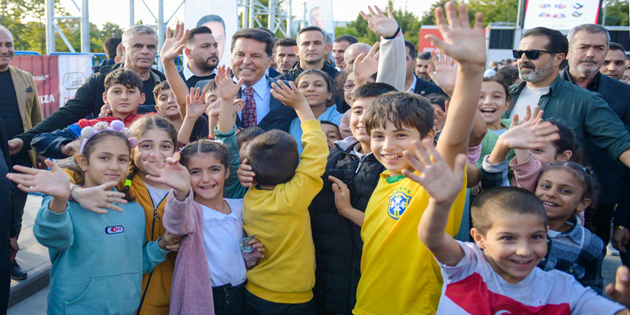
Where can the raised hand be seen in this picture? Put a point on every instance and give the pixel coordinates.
(436, 177)
(365, 66)
(54, 182)
(173, 44)
(443, 72)
(380, 24)
(289, 95)
(464, 44)
(99, 198)
(171, 173)
(227, 88)
(620, 290)
(195, 106)
(530, 134)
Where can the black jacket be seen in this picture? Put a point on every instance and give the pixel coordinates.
(87, 101)
(425, 88)
(608, 170)
(7, 220)
(338, 244)
(296, 70)
(278, 117)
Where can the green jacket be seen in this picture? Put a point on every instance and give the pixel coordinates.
(585, 112)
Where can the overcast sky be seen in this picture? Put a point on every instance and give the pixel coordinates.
(117, 11)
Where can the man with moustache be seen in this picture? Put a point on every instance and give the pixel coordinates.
(140, 48)
(202, 52)
(615, 62)
(422, 66)
(595, 124)
(251, 56)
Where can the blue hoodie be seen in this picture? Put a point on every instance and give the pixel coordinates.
(97, 260)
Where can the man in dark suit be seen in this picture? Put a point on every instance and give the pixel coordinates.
(251, 56)
(588, 44)
(412, 83)
(201, 49)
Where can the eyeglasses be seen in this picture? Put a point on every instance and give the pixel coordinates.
(348, 86)
(532, 54)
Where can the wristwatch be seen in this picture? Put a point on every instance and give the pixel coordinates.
(619, 227)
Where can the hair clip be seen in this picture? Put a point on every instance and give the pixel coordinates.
(127, 183)
(118, 126)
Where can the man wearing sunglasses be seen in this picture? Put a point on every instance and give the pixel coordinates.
(596, 126)
(588, 46)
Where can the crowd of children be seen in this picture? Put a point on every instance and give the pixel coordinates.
(181, 212)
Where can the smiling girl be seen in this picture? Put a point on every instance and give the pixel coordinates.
(316, 87)
(98, 260)
(565, 190)
(493, 101)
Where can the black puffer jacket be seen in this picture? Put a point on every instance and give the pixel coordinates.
(338, 244)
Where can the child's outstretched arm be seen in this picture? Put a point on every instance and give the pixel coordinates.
(177, 213)
(391, 64)
(194, 109)
(53, 227)
(290, 95)
(172, 48)
(532, 133)
(443, 185)
(228, 90)
(365, 66)
(467, 46)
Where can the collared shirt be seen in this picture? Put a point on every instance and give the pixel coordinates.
(262, 96)
(584, 111)
(593, 86)
(578, 252)
(189, 74)
(412, 87)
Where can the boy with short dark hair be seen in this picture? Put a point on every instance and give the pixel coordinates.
(167, 106)
(398, 274)
(123, 94)
(276, 209)
(497, 273)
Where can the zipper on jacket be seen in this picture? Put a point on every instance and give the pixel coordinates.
(361, 160)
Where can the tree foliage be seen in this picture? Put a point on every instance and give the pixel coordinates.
(26, 19)
(616, 12)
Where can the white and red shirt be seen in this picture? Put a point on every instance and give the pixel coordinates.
(473, 287)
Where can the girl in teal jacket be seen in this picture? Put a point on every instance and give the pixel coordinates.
(97, 259)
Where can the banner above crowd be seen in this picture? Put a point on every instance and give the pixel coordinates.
(560, 14)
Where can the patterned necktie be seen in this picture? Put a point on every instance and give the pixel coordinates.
(249, 111)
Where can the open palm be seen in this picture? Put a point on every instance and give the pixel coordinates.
(436, 177)
(379, 23)
(171, 173)
(54, 182)
(174, 44)
(464, 44)
(227, 88)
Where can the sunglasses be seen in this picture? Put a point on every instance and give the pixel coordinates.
(532, 54)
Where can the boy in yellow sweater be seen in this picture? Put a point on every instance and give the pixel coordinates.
(276, 209)
(398, 273)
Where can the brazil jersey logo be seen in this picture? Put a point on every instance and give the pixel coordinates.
(398, 202)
